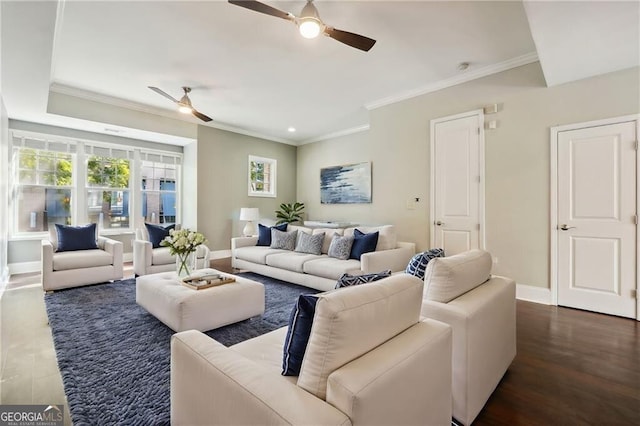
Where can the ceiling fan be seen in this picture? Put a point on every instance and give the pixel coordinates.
(184, 104)
(309, 23)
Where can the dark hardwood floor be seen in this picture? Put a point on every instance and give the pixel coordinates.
(572, 368)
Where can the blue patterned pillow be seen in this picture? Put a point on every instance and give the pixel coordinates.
(295, 344)
(264, 233)
(340, 247)
(347, 280)
(418, 264)
(71, 238)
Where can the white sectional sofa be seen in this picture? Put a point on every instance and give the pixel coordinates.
(321, 271)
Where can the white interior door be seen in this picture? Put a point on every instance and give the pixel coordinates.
(596, 234)
(456, 175)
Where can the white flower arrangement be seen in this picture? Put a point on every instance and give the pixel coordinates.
(183, 241)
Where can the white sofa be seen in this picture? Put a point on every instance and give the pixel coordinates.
(481, 309)
(321, 271)
(370, 360)
(81, 267)
(149, 260)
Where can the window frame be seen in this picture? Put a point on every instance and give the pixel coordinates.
(273, 177)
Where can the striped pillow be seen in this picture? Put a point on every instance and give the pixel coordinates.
(418, 264)
(347, 280)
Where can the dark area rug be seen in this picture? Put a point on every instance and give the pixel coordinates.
(114, 356)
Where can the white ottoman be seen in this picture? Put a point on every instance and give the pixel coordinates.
(182, 308)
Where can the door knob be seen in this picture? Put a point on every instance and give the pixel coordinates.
(438, 223)
(564, 227)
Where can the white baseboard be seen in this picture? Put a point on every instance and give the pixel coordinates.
(533, 294)
(220, 254)
(24, 267)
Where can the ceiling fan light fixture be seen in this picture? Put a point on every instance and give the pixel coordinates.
(185, 109)
(309, 27)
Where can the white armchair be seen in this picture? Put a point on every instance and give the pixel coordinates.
(149, 260)
(80, 267)
(481, 309)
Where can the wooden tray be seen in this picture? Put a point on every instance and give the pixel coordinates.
(201, 285)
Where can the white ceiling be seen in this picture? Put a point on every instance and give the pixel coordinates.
(254, 74)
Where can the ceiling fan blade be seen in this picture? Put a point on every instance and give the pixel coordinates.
(354, 40)
(263, 8)
(200, 115)
(165, 94)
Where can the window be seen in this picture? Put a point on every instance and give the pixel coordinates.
(62, 180)
(262, 177)
(108, 191)
(159, 192)
(43, 189)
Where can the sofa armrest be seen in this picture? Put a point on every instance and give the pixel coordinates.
(142, 256)
(47, 256)
(413, 369)
(238, 242)
(484, 341)
(394, 259)
(212, 384)
(114, 248)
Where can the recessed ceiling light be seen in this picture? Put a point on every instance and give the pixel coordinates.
(291, 129)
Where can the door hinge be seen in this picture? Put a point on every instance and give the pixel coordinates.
(635, 219)
(634, 294)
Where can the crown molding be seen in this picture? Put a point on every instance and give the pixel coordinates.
(454, 81)
(337, 134)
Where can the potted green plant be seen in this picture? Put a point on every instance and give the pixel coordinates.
(289, 212)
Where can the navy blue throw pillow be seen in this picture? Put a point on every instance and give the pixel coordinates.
(363, 243)
(418, 264)
(298, 333)
(347, 280)
(264, 233)
(157, 233)
(72, 238)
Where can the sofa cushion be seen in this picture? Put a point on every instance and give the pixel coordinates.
(347, 280)
(295, 343)
(309, 243)
(350, 322)
(71, 238)
(363, 243)
(340, 247)
(418, 264)
(291, 261)
(449, 277)
(328, 236)
(157, 233)
(264, 233)
(283, 240)
(387, 238)
(256, 254)
(331, 268)
(78, 259)
(161, 256)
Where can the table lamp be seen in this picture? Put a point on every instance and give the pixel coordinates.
(249, 214)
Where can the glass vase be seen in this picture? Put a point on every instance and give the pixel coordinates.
(185, 263)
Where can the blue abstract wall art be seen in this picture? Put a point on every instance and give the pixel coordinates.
(348, 184)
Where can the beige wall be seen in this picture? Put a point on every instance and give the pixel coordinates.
(222, 182)
(517, 159)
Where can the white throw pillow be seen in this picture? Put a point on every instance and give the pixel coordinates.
(449, 277)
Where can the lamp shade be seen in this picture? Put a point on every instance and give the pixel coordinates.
(249, 213)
